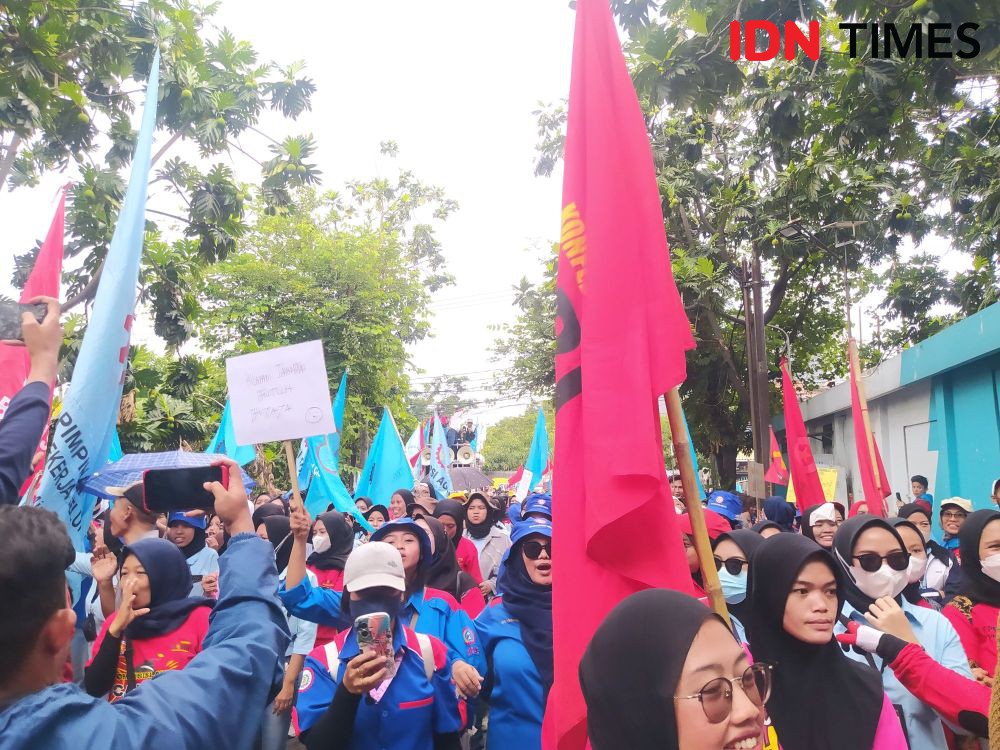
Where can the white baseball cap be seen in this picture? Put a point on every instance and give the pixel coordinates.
(958, 502)
(372, 565)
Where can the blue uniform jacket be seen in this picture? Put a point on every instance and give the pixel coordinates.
(203, 705)
(410, 712)
(430, 611)
(516, 701)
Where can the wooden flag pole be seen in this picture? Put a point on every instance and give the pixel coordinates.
(852, 353)
(702, 545)
(290, 457)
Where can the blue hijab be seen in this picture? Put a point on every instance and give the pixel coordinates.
(780, 512)
(169, 586)
(530, 604)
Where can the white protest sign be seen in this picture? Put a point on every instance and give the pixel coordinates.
(280, 394)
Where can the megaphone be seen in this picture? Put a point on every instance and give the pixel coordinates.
(465, 455)
(425, 456)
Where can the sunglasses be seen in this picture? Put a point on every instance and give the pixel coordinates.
(717, 695)
(872, 561)
(733, 565)
(533, 549)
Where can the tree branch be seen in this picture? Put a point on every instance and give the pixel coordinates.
(719, 337)
(781, 286)
(8, 159)
(165, 147)
(87, 292)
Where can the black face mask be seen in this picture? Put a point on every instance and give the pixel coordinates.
(391, 604)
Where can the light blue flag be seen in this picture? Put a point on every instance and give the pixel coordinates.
(84, 432)
(437, 473)
(538, 458)
(694, 457)
(224, 441)
(386, 468)
(116, 451)
(327, 487)
(325, 448)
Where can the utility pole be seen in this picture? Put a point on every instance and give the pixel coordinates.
(751, 355)
(756, 358)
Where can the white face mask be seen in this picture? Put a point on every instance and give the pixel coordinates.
(883, 582)
(916, 569)
(991, 567)
(321, 543)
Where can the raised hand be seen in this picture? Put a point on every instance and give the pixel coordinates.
(126, 614)
(103, 564)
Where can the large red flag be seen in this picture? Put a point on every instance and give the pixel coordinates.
(876, 488)
(805, 477)
(777, 472)
(621, 336)
(43, 281)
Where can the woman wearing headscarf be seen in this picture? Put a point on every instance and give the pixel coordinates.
(766, 529)
(703, 694)
(158, 626)
(516, 633)
(780, 512)
(732, 552)
(716, 526)
(820, 523)
(451, 514)
(444, 573)
(974, 611)
(482, 516)
(398, 503)
(917, 547)
(940, 562)
(796, 592)
(277, 716)
(875, 562)
(332, 543)
(188, 533)
(377, 515)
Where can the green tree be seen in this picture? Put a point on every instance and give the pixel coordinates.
(509, 440)
(445, 394)
(354, 270)
(69, 71)
(849, 156)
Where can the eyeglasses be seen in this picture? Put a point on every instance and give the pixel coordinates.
(954, 515)
(733, 565)
(533, 549)
(872, 561)
(717, 695)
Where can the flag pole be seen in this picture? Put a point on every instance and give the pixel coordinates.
(682, 454)
(294, 474)
(852, 353)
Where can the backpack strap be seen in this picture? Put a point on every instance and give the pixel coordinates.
(427, 652)
(332, 657)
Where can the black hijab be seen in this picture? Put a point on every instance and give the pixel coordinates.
(778, 510)
(806, 525)
(480, 530)
(976, 585)
(820, 698)
(278, 532)
(933, 548)
(843, 544)
(749, 542)
(264, 511)
(196, 545)
(169, 588)
(912, 591)
(761, 525)
(444, 573)
(630, 688)
(341, 543)
(531, 605)
(454, 509)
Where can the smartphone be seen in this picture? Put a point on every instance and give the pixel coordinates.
(10, 318)
(166, 490)
(374, 632)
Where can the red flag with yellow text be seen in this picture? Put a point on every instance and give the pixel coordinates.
(621, 335)
(805, 477)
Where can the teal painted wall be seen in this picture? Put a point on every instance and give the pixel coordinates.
(969, 339)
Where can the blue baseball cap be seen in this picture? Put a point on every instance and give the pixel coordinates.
(537, 502)
(410, 526)
(530, 526)
(195, 522)
(725, 504)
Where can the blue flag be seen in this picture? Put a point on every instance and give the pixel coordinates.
(327, 487)
(325, 448)
(386, 468)
(85, 429)
(538, 458)
(437, 473)
(694, 458)
(224, 441)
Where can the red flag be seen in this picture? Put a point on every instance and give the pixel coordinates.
(621, 335)
(875, 488)
(44, 280)
(777, 472)
(515, 478)
(805, 478)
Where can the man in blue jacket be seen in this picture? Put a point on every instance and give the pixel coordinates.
(203, 705)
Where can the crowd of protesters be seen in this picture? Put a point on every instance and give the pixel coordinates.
(250, 625)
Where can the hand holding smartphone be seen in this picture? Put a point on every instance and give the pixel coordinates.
(374, 632)
(167, 490)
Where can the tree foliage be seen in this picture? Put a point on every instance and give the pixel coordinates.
(509, 440)
(445, 395)
(863, 155)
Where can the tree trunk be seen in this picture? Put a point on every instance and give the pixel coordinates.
(725, 462)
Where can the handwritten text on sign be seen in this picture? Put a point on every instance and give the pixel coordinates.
(280, 394)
